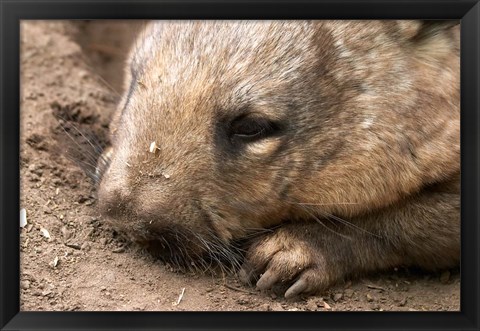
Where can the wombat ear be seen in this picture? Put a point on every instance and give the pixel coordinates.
(433, 28)
(432, 39)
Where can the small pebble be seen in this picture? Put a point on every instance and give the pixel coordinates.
(25, 284)
(82, 199)
(403, 302)
(33, 168)
(89, 233)
(46, 293)
(85, 246)
(34, 178)
(85, 220)
(337, 297)
(74, 246)
(243, 300)
(370, 298)
(82, 74)
(45, 233)
(348, 293)
(55, 262)
(277, 307)
(118, 250)
(314, 303)
(103, 241)
(66, 233)
(265, 307)
(375, 306)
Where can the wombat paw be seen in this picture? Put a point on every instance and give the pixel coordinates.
(281, 259)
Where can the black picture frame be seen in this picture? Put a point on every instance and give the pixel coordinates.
(12, 11)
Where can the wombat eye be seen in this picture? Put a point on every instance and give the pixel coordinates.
(251, 128)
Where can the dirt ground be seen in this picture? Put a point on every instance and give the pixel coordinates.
(70, 260)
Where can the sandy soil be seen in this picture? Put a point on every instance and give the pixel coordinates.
(70, 260)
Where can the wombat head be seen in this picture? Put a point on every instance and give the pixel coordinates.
(228, 127)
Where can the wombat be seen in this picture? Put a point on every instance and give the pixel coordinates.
(314, 150)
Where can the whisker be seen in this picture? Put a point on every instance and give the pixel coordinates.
(338, 219)
(92, 156)
(326, 204)
(350, 224)
(329, 229)
(99, 78)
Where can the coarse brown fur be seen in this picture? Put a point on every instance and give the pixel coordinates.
(357, 169)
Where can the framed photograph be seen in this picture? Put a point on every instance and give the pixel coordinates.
(239, 165)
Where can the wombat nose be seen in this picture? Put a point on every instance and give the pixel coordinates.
(113, 198)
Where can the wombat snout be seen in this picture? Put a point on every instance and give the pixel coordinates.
(120, 201)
